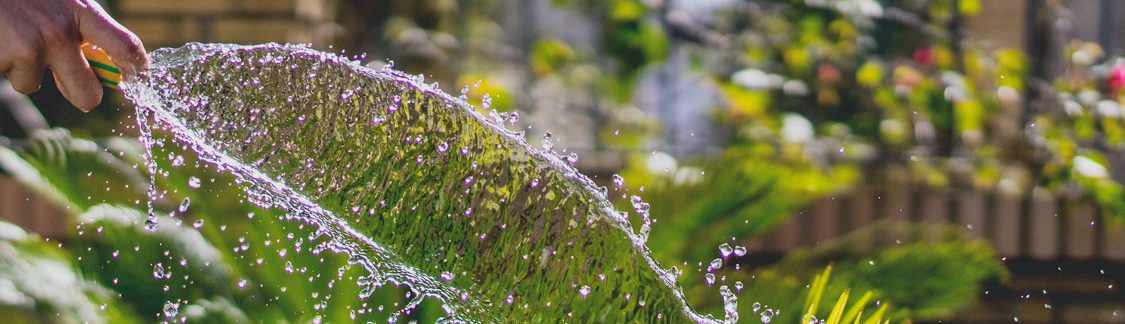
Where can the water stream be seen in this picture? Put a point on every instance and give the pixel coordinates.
(413, 185)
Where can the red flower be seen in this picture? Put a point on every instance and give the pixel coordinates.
(1116, 79)
(924, 56)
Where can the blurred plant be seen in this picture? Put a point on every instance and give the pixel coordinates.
(216, 259)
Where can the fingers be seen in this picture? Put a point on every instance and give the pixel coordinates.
(26, 75)
(123, 46)
(75, 79)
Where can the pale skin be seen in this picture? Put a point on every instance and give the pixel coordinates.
(39, 35)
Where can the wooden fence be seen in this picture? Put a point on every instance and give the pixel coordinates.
(1039, 225)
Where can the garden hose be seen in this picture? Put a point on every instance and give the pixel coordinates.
(107, 72)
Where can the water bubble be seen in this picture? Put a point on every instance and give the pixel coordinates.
(739, 250)
(197, 224)
(547, 144)
(725, 250)
(184, 205)
(194, 183)
(171, 309)
(583, 291)
(158, 271)
(151, 223)
(618, 180)
(486, 101)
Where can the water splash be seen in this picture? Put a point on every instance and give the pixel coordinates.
(297, 128)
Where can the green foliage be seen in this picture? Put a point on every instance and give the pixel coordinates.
(240, 262)
(925, 271)
(41, 283)
(740, 194)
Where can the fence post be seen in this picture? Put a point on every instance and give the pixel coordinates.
(1043, 228)
(1006, 230)
(971, 209)
(1080, 229)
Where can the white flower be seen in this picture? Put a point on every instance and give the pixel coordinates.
(795, 128)
(1089, 168)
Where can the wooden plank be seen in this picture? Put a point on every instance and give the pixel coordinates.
(1080, 230)
(1113, 244)
(788, 235)
(896, 194)
(933, 206)
(824, 224)
(1043, 228)
(971, 212)
(861, 212)
(896, 202)
(1006, 231)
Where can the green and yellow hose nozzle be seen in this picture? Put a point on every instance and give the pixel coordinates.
(107, 72)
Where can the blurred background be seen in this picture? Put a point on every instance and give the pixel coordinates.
(961, 159)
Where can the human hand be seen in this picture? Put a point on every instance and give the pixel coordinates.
(39, 34)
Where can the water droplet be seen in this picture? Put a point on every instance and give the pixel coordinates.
(184, 205)
(710, 278)
(486, 101)
(534, 183)
(443, 147)
(618, 180)
(446, 275)
(547, 144)
(151, 223)
(756, 307)
(583, 291)
(197, 224)
(171, 309)
(572, 158)
(194, 183)
(739, 251)
(716, 264)
(737, 286)
(158, 271)
(725, 250)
